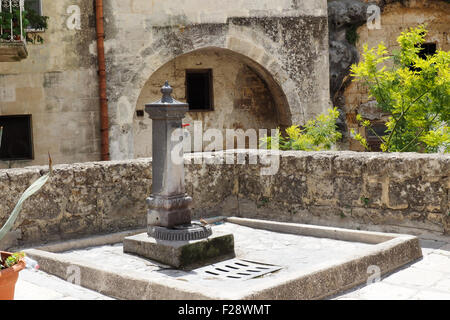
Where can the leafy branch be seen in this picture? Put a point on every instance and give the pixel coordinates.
(415, 91)
(318, 134)
(35, 187)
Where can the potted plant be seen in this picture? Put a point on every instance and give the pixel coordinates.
(10, 266)
(12, 263)
(32, 23)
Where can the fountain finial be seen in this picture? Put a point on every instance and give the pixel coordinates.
(167, 90)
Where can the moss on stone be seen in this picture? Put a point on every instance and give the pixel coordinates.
(352, 35)
(206, 250)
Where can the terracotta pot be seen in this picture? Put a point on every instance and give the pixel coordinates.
(8, 278)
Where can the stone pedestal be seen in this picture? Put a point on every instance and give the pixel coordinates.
(182, 254)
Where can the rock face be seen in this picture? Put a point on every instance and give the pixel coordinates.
(406, 193)
(343, 15)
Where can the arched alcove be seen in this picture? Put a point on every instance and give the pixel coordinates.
(296, 76)
(244, 94)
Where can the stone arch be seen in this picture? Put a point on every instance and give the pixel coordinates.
(173, 44)
(274, 80)
(245, 94)
(256, 57)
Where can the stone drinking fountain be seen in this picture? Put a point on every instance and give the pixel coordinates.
(273, 260)
(172, 238)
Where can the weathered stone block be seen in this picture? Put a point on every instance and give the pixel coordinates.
(348, 165)
(373, 194)
(348, 190)
(290, 189)
(320, 191)
(405, 194)
(182, 254)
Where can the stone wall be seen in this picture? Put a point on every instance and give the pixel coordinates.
(57, 85)
(79, 199)
(407, 193)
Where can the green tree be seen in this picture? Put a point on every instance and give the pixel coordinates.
(415, 91)
(318, 134)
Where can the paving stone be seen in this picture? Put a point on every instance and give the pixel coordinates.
(434, 262)
(380, 291)
(427, 251)
(427, 279)
(431, 295)
(28, 291)
(301, 258)
(414, 278)
(253, 244)
(443, 285)
(444, 250)
(38, 285)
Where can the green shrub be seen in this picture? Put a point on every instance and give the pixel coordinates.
(11, 260)
(318, 134)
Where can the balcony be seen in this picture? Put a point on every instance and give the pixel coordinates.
(12, 36)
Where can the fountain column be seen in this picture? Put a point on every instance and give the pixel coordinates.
(172, 238)
(169, 203)
(169, 214)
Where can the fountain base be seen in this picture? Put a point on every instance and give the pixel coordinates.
(182, 254)
(189, 232)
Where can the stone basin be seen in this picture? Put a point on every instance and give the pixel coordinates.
(309, 262)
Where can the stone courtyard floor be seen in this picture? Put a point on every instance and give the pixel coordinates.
(426, 279)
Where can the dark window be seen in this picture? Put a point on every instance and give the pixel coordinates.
(34, 13)
(34, 5)
(199, 89)
(372, 140)
(427, 49)
(16, 140)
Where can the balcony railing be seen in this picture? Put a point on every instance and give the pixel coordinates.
(12, 34)
(11, 28)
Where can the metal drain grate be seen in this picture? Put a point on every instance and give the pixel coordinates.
(238, 269)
